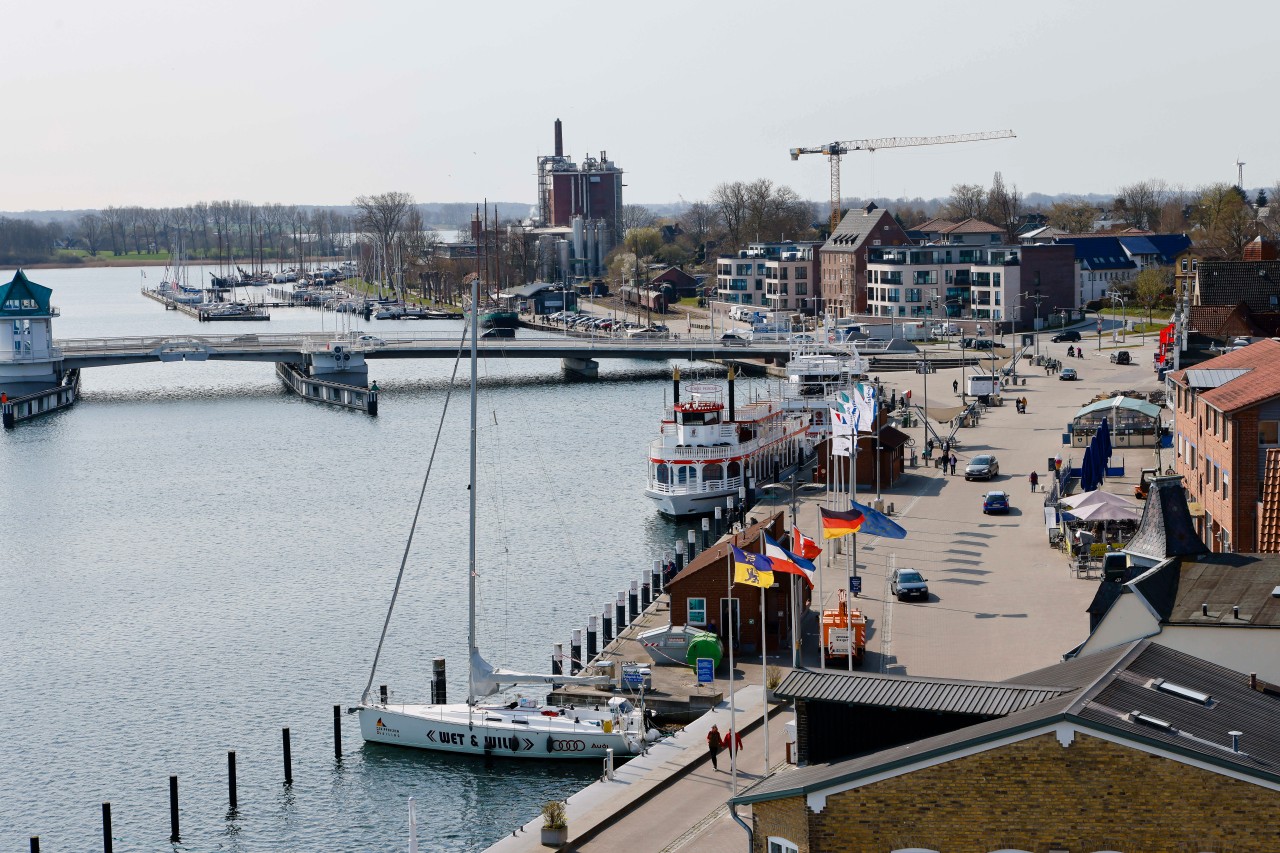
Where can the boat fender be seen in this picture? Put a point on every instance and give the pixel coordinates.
(550, 745)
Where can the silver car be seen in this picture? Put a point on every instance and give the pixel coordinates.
(907, 583)
(982, 467)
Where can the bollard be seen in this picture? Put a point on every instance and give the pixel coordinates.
(656, 580)
(620, 613)
(175, 835)
(706, 532)
(693, 544)
(557, 659)
(607, 619)
(645, 598)
(608, 763)
(232, 799)
(575, 652)
(719, 520)
(438, 689)
(633, 602)
(106, 828)
(382, 693)
(679, 557)
(337, 733)
(593, 635)
(288, 757)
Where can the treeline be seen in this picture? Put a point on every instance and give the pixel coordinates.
(23, 241)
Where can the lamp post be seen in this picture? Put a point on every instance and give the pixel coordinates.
(963, 360)
(795, 488)
(1037, 298)
(1124, 312)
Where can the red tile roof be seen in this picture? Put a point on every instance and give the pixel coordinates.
(1250, 388)
(972, 226)
(1269, 519)
(937, 224)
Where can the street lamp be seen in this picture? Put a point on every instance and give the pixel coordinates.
(1037, 298)
(1124, 311)
(963, 360)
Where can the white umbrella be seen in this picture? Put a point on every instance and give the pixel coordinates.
(1097, 497)
(1105, 512)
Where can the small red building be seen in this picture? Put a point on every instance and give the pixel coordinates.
(704, 592)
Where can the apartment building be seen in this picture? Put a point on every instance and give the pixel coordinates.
(1105, 262)
(1226, 418)
(844, 257)
(782, 276)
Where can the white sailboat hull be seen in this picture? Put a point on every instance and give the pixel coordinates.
(503, 732)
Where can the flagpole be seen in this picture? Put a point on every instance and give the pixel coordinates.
(764, 657)
(733, 767)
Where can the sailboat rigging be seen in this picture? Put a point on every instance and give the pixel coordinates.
(520, 729)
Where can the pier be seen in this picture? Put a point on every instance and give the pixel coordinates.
(205, 314)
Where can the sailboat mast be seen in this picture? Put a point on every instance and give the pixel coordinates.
(471, 489)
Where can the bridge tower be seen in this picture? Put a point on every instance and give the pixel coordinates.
(29, 362)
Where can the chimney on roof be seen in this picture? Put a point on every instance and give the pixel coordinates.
(1235, 740)
(559, 140)
(1204, 609)
(1235, 611)
(871, 205)
(1253, 681)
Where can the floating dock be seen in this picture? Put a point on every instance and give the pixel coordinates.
(319, 390)
(207, 315)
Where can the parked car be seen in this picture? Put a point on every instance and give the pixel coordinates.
(1120, 357)
(984, 466)
(1068, 374)
(370, 341)
(906, 583)
(995, 502)
(979, 343)
(731, 340)
(1066, 337)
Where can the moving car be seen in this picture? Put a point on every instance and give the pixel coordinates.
(906, 583)
(982, 467)
(995, 502)
(729, 339)
(1120, 357)
(1066, 337)
(1068, 374)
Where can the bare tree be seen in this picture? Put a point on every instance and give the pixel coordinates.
(1142, 201)
(637, 216)
(382, 217)
(91, 232)
(1004, 205)
(730, 202)
(968, 201)
(1074, 217)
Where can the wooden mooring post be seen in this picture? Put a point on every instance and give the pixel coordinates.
(288, 756)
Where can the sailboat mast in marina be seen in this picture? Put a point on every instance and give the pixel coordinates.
(520, 729)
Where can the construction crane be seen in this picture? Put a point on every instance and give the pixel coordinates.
(835, 150)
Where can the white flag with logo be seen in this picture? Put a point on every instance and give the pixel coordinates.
(864, 407)
(841, 434)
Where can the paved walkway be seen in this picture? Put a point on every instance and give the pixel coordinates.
(1002, 602)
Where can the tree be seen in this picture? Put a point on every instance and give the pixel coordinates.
(91, 232)
(1150, 286)
(1004, 206)
(968, 201)
(636, 216)
(1261, 201)
(382, 217)
(1223, 219)
(699, 222)
(1142, 202)
(730, 202)
(643, 242)
(1074, 217)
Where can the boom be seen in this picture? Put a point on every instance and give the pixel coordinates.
(835, 150)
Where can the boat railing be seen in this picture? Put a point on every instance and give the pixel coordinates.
(692, 486)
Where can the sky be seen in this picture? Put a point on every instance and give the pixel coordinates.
(316, 102)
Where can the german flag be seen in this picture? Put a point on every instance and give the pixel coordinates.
(837, 524)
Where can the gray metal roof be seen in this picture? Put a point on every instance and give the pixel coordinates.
(1151, 410)
(1213, 378)
(1124, 682)
(1223, 581)
(985, 698)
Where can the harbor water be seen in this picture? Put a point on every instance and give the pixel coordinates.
(194, 559)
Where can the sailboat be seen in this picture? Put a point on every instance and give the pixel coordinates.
(520, 729)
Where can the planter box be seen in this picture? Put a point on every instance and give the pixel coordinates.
(554, 837)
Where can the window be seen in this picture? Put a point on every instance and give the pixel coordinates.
(1268, 432)
(1225, 491)
(697, 611)
(781, 845)
(1184, 264)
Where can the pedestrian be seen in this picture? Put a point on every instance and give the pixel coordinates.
(1080, 353)
(1034, 478)
(1071, 352)
(953, 464)
(713, 745)
(732, 742)
(955, 386)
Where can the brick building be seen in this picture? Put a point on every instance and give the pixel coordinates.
(700, 595)
(1127, 750)
(844, 257)
(1226, 416)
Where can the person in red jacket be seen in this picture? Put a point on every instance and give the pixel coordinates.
(732, 742)
(713, 745)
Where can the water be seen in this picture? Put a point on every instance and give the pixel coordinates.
(193, 559)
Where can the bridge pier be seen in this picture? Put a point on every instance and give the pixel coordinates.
(587, 368)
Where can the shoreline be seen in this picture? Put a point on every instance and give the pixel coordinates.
(98, 263)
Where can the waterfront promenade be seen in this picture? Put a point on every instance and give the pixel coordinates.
(1002, 600)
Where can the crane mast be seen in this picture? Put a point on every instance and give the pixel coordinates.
(836, 150)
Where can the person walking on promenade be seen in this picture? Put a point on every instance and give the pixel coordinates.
(955, 386)
(1034, 479)
(713, 745)
(732, 742)
(953, 464)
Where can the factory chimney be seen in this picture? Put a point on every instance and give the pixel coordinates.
(559, 140)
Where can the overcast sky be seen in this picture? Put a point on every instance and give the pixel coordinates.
(315, 102)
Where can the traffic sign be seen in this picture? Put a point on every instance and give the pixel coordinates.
(855, 585)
